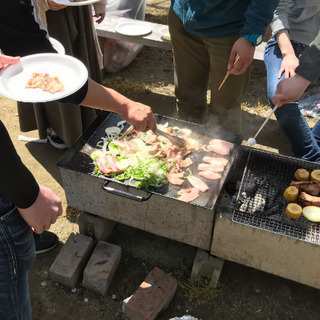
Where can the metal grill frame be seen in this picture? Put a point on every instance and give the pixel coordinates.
(276, 171)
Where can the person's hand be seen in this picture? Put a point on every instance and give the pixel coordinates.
(55, 6)
(245, 50)
(290, 89)
(288, 66)
(44, 212)
(7, 60)
(100, 17)
(140, 116)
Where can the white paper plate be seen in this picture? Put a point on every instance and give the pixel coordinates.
(133, 28)
(13, 79)
(57, 45)
(79, 3)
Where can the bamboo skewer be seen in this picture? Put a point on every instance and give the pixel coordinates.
(227, 74)
(252, 141)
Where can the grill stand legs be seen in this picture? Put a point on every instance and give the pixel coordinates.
(207, 266)
(95, 227)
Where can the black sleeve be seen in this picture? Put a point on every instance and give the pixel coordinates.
(20, 34)
(16, 181)
(309, 64)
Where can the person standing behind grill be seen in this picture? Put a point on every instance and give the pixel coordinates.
(206, 39)
(295, 25)
(73, 26)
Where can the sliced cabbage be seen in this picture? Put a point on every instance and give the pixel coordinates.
(97, 154)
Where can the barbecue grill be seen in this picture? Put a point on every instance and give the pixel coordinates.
(241, 218)
(260, 201)
(157, 210)
(251, 227)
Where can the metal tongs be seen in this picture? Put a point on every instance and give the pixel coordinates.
(179, 142)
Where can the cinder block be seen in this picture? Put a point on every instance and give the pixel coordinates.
(207, 266)
(101, 267)
(95, 227)
(68, 266)
(152, 296)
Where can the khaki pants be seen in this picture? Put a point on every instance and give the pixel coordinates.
(200, 63)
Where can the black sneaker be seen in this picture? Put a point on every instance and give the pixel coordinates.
(45, 241)
(56, 141)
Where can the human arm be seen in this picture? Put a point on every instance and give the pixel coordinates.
(38, 205)
(291, 89)
(100, 10)
(257, 18)
(103, 98)
(281, 31)
(289, 59)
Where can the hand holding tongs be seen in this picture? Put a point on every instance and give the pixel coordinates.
(179, 142)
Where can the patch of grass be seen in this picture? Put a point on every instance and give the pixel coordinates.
(161, 19)
(127, 87)
(258, 108)
(198, 289)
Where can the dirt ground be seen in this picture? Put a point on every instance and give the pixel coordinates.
(242, 292)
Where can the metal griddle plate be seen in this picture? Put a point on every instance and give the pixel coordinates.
(260, 201)
(78, 157)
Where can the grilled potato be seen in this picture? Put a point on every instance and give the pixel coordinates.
(293, 211)
(302, 175)
(291, 194)
(315, 175)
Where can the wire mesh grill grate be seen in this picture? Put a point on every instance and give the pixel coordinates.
(260, 201)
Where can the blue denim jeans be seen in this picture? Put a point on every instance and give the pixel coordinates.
(17, 253)
(304, 142)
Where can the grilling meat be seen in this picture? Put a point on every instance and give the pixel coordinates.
(215, 161)
(175, 177)
(198, 183)
(210, 175)
(307, 200)
(220, 147)
(188, 195)
(220, 142)
(311, 187)
(208, 167)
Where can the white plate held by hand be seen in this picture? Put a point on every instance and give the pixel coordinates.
(76, 3)
(13, 79)
(133, 28)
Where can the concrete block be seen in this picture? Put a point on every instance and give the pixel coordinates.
(95, 227)
(207, 266)
(68, 266)
(203, 265)
(101, 267)
(152, 296)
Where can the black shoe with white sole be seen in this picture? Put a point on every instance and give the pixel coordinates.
(45, 241)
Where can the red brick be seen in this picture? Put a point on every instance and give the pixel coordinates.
(154, 293)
